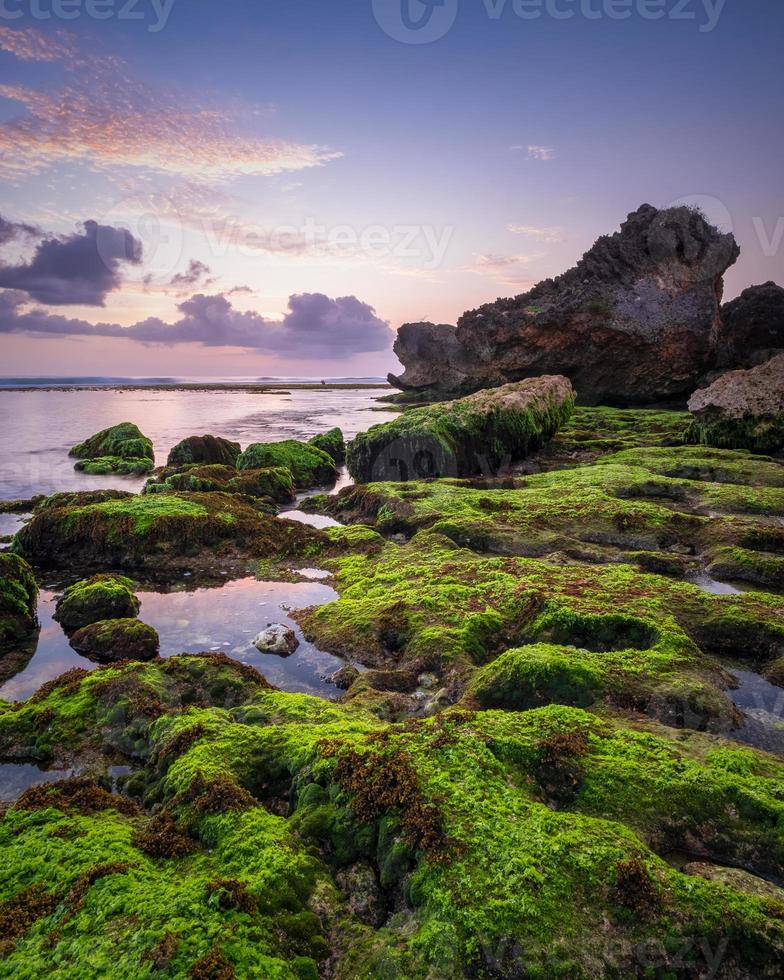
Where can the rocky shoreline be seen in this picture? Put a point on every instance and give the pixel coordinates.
(555, 746)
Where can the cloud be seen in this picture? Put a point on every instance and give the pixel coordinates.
(540, 152)
(77, 269)
(314, 326)
(550, 235)
(505, 269)
(12, 231)
(197, 273)
(105, 117)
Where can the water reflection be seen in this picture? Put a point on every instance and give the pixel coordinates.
(16, 777)
(221, 619)
(39, 427)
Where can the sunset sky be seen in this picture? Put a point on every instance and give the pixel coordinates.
(256, 187)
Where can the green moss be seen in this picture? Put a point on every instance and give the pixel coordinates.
(456, 813)
(205, 449)
(18, 600)
(458, 438)
(272, 483)
(124, 441)
(757, 434)
(332, 443)
(116, 639)
(152, 529)
(310, 466)
(114, 464)
(99, 597)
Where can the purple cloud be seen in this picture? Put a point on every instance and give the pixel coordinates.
(314, 326)
(77, 269)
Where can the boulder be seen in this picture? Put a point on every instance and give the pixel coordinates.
(157, 531)
(742, 410)
(752, 328)
(113, 640)
(18, 600)
(277, 638)
(332, 443)
(120, 449)
(273, 483)
(477, 434)
(96, 598)
(636, 321)
(204, 449)
(310, 466)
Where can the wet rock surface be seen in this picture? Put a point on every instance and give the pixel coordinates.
(277, 638)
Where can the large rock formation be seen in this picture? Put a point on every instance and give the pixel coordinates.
(477, 434)
(742, 409)
(636, 321)
(752, 326)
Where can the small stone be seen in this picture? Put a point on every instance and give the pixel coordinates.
(277, 638)
(344, 677)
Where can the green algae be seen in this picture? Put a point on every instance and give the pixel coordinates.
(204, 450)
(121, 448)
(116, 639)
(332, 443)
(18, 600)
(153, 529)
(535, 834)
(274, 484)
(757, 434)
(99, 597)
(309, 465)
(462, 437)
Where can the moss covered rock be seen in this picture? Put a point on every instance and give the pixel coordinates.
(121, 448)
(18, 600)
(159, 531)
(112, 640)
(332, 443)
(477, 434)
(204, 449)
(99, 597)
(742, 410)
(273, 483)
(488, 834)
(310, 466)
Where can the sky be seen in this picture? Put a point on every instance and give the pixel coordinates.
(258, 188)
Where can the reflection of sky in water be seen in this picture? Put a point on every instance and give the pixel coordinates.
(39, 427)
(219, 620)
(10, 523)
(16, 777)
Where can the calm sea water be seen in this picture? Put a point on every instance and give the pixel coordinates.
(40, 426)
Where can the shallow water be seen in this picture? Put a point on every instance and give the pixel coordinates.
(709, 584)
(39, 427)
(762, 704)
(222, 619)
(16, 777)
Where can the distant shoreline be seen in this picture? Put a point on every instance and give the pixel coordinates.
(263, 389)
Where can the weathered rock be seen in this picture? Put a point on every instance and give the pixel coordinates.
(477, 434)
(636, 321)
(204, 449)
(310, 466)
(277, 638)
(111, 640)
(120, 449)
(18, 600)
(434, 358)
(159, 531)
(752, 328)
(332, 443)
(94, 599)
(742, 409)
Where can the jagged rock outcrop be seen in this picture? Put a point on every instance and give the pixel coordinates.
(742, 409)
(752, 328)
(205, 449)
(478, 434)
(636, 321)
